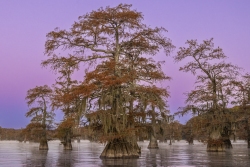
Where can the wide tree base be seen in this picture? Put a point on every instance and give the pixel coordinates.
(153, 144)
(215, 145)
(67, 145)
(227, 143)
(120, 148)
(43, 145)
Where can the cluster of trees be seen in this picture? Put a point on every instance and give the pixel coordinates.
(220, 99)
(119, 99)
(10, 134)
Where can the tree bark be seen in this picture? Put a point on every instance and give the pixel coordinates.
(215, 143)
(153, 144)
(120, 148)
(43, 142)
(67, 143)
(191, 140)
(227, 143)
(170, 140)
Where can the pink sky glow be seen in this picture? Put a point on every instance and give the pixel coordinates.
(24, 25)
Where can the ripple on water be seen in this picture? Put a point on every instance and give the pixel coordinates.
(86, 154)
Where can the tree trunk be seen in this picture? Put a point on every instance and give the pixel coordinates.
(227, 143)
(67, 143)
(24, 139)
(215, 143)
(78, 139)
(170, 140)
(234, 137)
(120, 148)
(190, 140)
(43, 142)
(153, 142)
(226, 138)
(140, 138)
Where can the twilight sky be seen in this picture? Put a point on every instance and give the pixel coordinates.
(24, 25)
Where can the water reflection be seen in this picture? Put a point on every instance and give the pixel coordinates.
(87, 154)
(36, 158)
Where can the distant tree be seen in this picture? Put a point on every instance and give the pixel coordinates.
(196, 128)
(70, 103)
(115, 46)
(212, 94)
(171, 129)
(39, 101)
(32, 132)
(65, 132)
(241, 96)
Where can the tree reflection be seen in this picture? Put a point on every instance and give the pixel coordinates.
(37, 158)
(66, 158)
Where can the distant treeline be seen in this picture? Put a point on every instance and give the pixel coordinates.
(10, 134)
(181, 132)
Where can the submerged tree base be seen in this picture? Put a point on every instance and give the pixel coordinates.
(43, 145)
(120, 148)
(227, 143)
(67, 145)
(215, 145)
(153, 144)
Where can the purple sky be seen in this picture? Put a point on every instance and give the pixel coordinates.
(24, 25)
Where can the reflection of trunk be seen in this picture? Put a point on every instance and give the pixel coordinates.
(153, 141)
(120, 148)
(215, 143)
(67, 142)
(43, 141)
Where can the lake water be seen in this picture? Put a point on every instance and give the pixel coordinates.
(86, 154)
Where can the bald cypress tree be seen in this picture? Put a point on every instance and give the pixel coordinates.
(116, 49)
(211, 95)
(39, 101)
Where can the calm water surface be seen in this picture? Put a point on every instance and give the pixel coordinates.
(86, 154)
